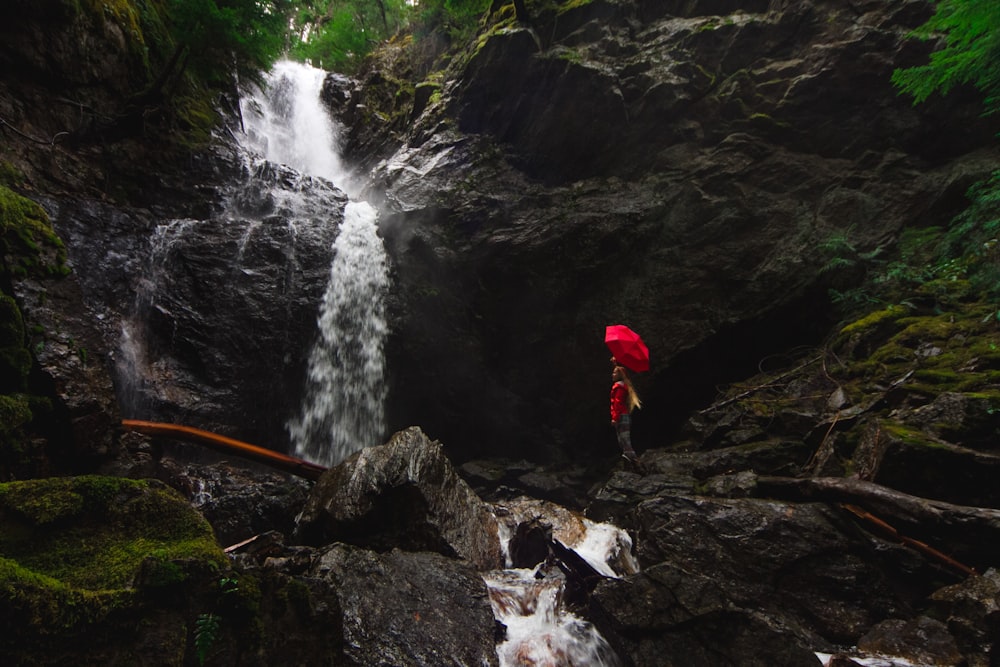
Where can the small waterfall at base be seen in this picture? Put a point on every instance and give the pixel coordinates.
(541, 628)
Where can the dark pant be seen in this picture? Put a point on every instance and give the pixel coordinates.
(623, 427)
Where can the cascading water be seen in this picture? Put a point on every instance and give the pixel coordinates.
(343, 406)
(343, 411)
(530, 603)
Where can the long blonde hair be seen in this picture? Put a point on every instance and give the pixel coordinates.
(633, 396)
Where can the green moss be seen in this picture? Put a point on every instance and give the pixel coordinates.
(197, 118)
(42, 602)
(26, 235)
(873, 319)
(11, 323)
(766, 119)
(938, 376)
(710, 24)
(570, 5)
(9, 174)
(14, 413)
(908, 435)
(97, 533)
(78, 553)
(129, 17)
(574, 56)
(122, 12)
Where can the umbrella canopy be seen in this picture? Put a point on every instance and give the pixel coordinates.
(627, 347)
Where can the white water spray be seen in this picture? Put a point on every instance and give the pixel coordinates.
(343, 406)
(343, 411)
(288, 124)
(540, 631)
(540, 628)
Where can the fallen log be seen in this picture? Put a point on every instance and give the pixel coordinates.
(226, 445)
(971, 533)
(922, 547)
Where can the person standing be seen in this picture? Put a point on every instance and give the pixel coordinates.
(624, 399)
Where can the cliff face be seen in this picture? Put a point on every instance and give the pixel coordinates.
(677, 167)
(673, 166)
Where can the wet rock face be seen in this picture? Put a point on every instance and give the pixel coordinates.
(668, 616)
(404, 608)
(921, 641)
(972, 612)
(208, 319)
(818, 576)
(673, 166)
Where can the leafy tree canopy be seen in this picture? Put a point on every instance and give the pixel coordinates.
(216, 36)
(338, 34)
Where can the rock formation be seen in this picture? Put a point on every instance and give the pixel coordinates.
(677, 166)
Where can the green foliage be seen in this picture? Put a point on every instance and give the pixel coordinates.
(960, 262)
(338, 44)
(971, 32)
(207, 625)
(219, 37)
(338, 34)
(206, 631)
(458, 19)
(974, 233)
(841, 252)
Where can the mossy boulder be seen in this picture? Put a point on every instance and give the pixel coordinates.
(94, 567)
(27, 241)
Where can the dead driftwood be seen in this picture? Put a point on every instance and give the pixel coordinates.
(958, 532)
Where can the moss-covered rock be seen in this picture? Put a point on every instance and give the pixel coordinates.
(95, 532)
(27, 241)
(91, 566)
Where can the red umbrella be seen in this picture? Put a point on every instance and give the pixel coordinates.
(627, 347)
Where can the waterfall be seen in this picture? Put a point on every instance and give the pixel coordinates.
(343, 410)
(343, 404)
(540, 631)
(541, 628)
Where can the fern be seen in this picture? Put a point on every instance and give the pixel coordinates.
(206, 631)
(971, 32)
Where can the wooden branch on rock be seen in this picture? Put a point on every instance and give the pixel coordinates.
(975, 529)
(227, 445)
(922, 547)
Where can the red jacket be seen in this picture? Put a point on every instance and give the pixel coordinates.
(619, 401)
